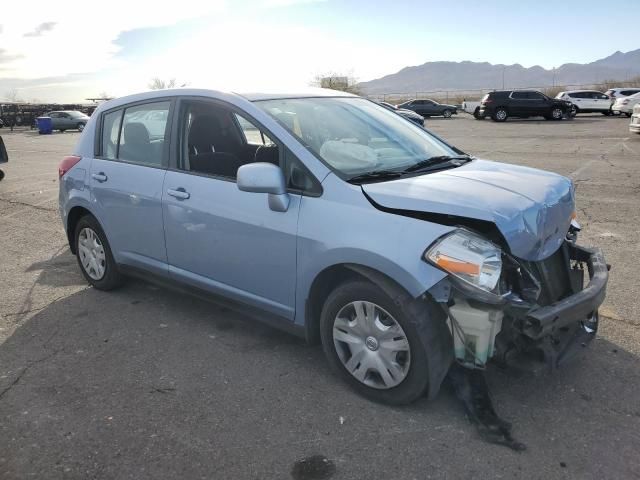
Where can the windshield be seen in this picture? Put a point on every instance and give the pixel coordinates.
(354, 135)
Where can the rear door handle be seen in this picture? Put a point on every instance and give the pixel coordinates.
(99, 177)
(179, 193)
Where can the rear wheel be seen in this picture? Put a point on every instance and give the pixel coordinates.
(606, 113)
(446, 113)
(628, 114)
(94, 255)
(500, 115)
(384, 352)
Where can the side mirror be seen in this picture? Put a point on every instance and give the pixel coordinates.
(265, 178)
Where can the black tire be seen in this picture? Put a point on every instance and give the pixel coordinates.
(80, 127)
(112, 277)
(607, 113)
(500, 115)
(628, 114)
(425, 329)
(61, 130)
(1, 175)
(556, 114)
(574, 111)
(446, 113)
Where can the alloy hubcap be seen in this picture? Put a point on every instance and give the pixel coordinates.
(557, 113)
(91, 251)
(501, 114)
(371, 345)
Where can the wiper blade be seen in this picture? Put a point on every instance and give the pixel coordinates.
(428, 163)
(375, 175)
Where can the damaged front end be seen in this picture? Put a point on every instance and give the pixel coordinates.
(532, 315)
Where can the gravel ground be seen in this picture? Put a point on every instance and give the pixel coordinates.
(147, 383)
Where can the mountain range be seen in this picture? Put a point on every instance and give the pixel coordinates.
(432, 76)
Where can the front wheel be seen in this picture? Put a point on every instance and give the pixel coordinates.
(628, 114)
(94, 255)
(80, 127)
(606, 113)
(386, 353)
(556, 113)
(446, 113)
(574, 111)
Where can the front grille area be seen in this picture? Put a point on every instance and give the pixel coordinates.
(553, 275)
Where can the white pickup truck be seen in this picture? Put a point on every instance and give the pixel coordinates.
(472, 107)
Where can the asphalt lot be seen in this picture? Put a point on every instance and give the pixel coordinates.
(146, 383)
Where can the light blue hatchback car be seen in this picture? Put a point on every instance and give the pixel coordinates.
(327, 215)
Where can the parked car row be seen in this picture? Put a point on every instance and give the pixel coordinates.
(499, 105)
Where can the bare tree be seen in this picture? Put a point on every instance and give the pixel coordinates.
(12, 95)
(336, 81)
(158, 84)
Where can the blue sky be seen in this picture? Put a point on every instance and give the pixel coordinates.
(66, 52)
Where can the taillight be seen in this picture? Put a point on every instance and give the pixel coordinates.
(67, 164)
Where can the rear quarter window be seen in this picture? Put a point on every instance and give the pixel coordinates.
(110, 131)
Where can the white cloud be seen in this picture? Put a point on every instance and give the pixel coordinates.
(79, 37)
(240, 53)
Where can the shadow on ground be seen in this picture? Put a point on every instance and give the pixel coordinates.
(146, 383)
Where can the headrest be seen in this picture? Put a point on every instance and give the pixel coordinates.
(136, 134)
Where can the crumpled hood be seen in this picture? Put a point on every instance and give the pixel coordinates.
(531, 208)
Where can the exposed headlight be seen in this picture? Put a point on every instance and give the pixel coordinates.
(468, 257)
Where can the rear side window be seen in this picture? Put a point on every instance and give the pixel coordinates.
(110, 131)
(520, 95)
(136, 134)
(626, 93)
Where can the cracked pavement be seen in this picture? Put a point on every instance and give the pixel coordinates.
(148, 383)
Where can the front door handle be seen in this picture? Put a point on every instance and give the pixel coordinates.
(179, 193)
(99, 177)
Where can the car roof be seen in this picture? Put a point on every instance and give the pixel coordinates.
(580, 91)
(207, 92)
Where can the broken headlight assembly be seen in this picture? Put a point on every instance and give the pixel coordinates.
(475, 262)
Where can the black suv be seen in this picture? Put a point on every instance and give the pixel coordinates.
(501, 105)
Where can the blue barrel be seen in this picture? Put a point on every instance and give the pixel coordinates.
(45, 125)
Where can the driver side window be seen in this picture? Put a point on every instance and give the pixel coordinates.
(217, 141)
